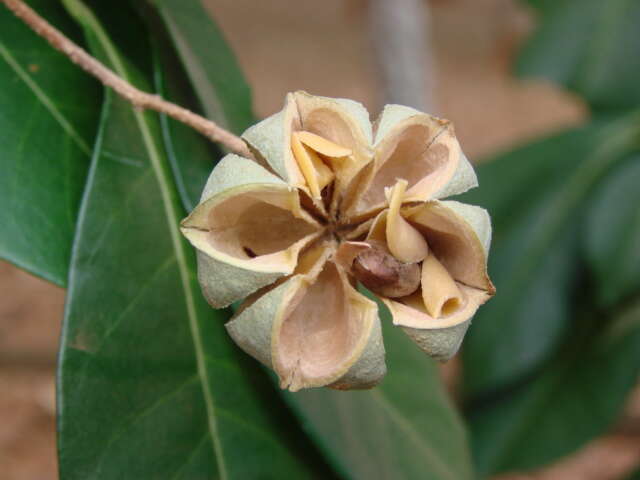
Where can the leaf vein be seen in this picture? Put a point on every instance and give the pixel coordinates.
(44, 99)
(178, 245)
(413, 434)
(136, 417)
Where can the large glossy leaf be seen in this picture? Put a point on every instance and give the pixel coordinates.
(590, 46)
(149, 384)
(404, 428)
(223, 92)
(48, 117)
(613, 234)
(536, 196)
(574, 399)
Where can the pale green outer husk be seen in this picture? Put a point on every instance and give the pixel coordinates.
(252, 327)
(233, 171)
(477, 218)
(370, 366)
(439, 344)
(439, 338)
(222, 284)
(271, 139)
(224, 279)
(256, 330)
(463, 179)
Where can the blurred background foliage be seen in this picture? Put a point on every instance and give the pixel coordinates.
(149, 386)
(549, 364)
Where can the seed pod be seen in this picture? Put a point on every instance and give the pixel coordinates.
(325, 204)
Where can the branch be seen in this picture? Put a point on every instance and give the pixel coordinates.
(109, 78)
(399, 32)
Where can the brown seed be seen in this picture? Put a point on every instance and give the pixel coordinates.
(384, 274)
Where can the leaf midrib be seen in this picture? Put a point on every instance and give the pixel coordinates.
(85, 15)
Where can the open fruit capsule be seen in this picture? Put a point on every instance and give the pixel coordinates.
(329, 203)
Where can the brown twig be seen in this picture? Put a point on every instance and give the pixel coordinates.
(109, 78)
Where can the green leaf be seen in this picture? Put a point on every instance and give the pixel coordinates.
(613, 234)
(191, 155)
(574, 399)
(591, 47)
(223, 92)
(404, 428)
(536, 196)
(48, 114)
(512, 183)
(149, 384)
(541, 4)
(634, 476)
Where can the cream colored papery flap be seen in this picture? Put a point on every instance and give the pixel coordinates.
(405, 242)
(324, 332)
(315, 330)
(464, 177)
(438, 337)
(459, 235)
(252, 232)
(225, 279)
(420, 149)
(255, 226)
(411, 312)
(343, 122)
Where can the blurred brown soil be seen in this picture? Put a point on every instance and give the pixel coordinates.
(30, 315)
(284, 46)
(321, 47)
